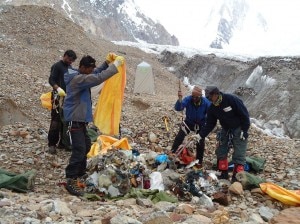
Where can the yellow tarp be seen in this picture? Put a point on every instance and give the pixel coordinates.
(105, 143)
(107, 114)
(288, 197)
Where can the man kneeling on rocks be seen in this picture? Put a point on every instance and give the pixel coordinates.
(234, 119)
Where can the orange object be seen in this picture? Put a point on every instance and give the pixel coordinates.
(46, 100)
(105, 143)
(288, 197)
(81, 184)
(185, 157)
(107, 114)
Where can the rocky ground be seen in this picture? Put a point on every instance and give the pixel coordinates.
(31, 40)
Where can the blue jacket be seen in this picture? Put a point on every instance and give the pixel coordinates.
(231, 113)
(194, 114)
(78, 103)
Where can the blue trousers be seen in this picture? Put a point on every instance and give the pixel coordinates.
(228, 138)
(81, 144)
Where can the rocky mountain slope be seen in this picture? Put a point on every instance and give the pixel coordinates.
(31, 44)
(32, 38)
(110, 20)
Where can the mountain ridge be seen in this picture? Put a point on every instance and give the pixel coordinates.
(110, 20)
(233, 14)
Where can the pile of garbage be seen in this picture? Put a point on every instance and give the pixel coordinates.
(119, 172)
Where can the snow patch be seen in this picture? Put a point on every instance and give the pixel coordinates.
(171, 69)
(67, 8)
(188, 52)
(272, 128)
(187, 83)
(257, 79)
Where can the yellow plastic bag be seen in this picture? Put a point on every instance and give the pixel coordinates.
(288, 197)
(107, 113)
(46, 100)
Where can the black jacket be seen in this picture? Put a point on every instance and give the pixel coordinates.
(57, 74)
(231, 113)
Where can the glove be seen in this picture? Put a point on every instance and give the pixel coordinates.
(60, 92)
(110, 57)
(244, 135)
(119, 61)
(197, 137)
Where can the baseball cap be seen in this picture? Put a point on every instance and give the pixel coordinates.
(210, 90)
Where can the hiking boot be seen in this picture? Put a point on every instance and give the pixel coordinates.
(237, 168)
(60, 146)
(81, 182)
(233, 178)
(52, 150)
(67, 148)
(223, 168)
(83, 177)
(73, 188)
(224, 175)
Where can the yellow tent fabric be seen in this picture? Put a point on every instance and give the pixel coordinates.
(289, 197)
(107, 114)
(105, 143)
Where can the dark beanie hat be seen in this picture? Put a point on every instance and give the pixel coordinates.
(209, 90)
(87, 61)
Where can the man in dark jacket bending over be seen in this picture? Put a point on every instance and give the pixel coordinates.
(234, 119)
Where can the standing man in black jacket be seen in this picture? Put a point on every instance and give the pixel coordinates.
(57, 132)
(234, 119)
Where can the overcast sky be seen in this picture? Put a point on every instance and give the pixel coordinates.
(186, 19)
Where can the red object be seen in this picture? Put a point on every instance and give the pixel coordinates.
(60, 184)
(223, 164)
(185, 158)
(238, 168)
(147, 184)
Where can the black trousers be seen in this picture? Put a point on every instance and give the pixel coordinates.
(55, 130)
(81, 144)
(57, 134)
(200, 146)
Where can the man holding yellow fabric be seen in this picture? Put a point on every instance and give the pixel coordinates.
(78, 111)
